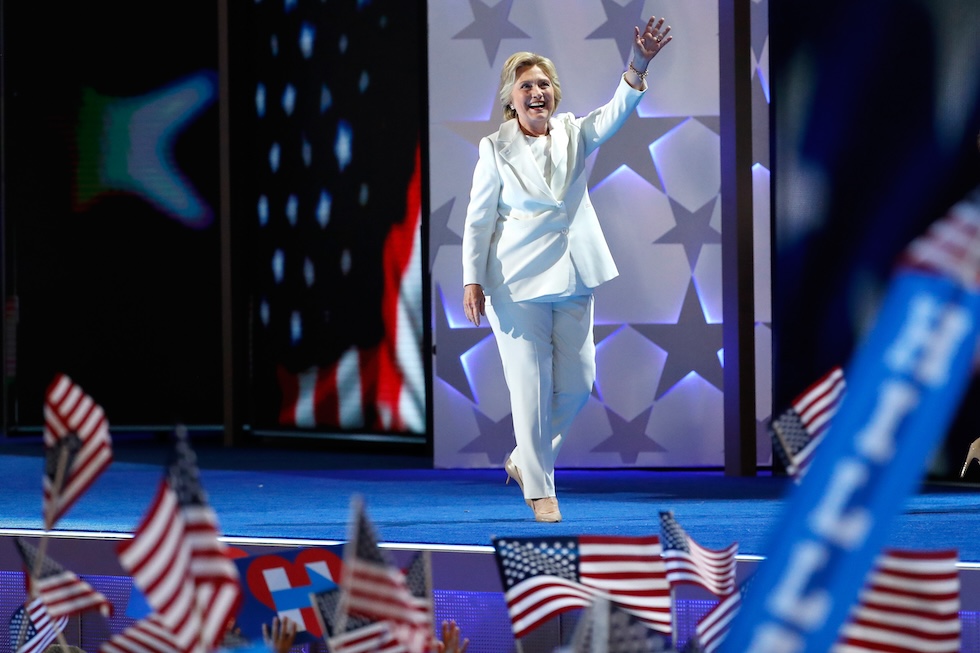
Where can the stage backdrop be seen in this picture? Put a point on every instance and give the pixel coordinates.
(658, 397)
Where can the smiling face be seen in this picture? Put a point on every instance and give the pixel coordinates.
(533, 98)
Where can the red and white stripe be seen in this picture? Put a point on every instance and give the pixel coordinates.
(149, 635)
(46, 627)
(910, 603)
(67, 410)
(712, 569)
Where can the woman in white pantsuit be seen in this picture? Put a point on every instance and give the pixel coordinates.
(533, 251)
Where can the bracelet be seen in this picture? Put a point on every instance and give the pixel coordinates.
(642, 75)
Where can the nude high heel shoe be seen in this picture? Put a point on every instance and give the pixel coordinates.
(514, 473)
(546, 509)
(971, 455)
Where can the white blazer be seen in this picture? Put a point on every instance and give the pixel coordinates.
(522, 239)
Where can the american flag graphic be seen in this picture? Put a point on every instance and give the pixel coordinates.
(689, 563)
(32, 629)
(797, 433)
(951, 245)
(374, 587)
(382, 386)
(910, 604)
(62, 591)
(79, 449)
(544, 577)
(149, 635)
(337, 246)
(711, 628)
(185, 573)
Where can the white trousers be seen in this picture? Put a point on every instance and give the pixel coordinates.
(548, 354)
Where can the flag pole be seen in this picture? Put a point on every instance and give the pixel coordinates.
(59, 479)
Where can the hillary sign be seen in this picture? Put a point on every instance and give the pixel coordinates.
(904, 385)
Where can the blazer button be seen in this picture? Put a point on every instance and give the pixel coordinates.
(565, 230)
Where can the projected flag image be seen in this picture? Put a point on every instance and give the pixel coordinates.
(335, 169)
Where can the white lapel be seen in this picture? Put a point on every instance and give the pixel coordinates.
(514, 150)
(559, 157)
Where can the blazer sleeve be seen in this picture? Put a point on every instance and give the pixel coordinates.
(481, 215)
(600, 124)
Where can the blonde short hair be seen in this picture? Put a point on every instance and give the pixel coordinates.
(514, 66)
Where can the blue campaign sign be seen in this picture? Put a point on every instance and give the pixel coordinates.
(904, 385)
(279, 584)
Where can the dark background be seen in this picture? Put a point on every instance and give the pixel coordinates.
(119, 296)
(126, 299)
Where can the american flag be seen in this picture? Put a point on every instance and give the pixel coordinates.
(149, 635)
(32, 628)
(76, 437)
(690, 563)
(544, 577)
(605, 628)
(712, 627)
(374, 587)
(62, 591)
(797, 433)
(185, 573)
(910, 603)
(951, 246)
(361, 635)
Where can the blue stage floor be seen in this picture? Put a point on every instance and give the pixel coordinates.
(306, 495)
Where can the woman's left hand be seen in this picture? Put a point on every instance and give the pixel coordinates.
(652, 40)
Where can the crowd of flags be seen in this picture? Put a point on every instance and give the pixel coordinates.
(183, 569)
(624, 586)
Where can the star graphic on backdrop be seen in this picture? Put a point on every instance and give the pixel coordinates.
(620, 21)
(453, 343)
(439, 232)
(631, 146)
(473, 131)
(711, 122)
(491, 25)
(692, 230)
(692, 345)
(496, 439)
(629, 437)
(759, 30)
(599, 333)
(602, 331)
